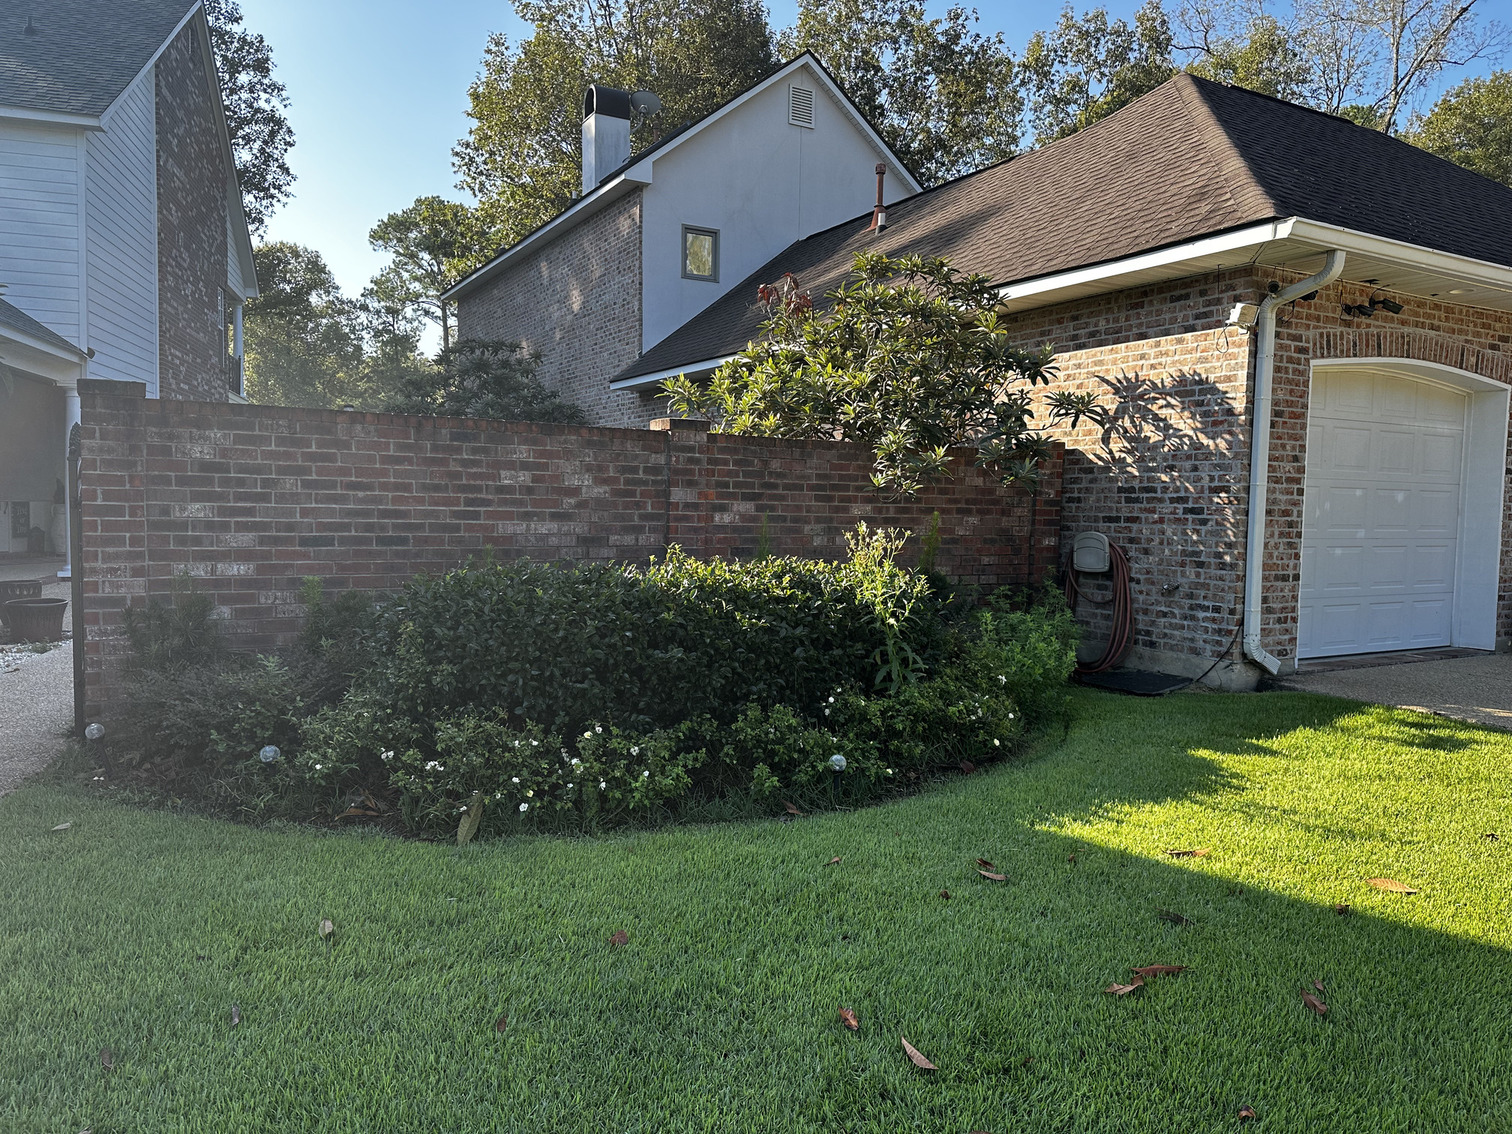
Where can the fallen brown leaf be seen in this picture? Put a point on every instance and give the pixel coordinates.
(917, 1056)
(967, 767)
(945, 893)
(991, 877)
(791, 808)
(326, 929)
(106, 1061)
(984, 862)
(848, 1018)
(235, 1015)
(1246, 1112)
(1071, 858)
(1318, 984)
(1173, 917)
(1148, 971)
(1343, 909)
(620, 938)
(1124, 989)
(1195, 852)
(501, 1023)
(832, 861)
(1391, 885)
(1492, 835)
(63, 826)
(1315, 1004)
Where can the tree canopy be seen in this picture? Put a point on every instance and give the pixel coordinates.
(521, 157)
(433, 244)
(255, 101)
(1472, 126)
(483, 378)
(909, 358)
(940, 92)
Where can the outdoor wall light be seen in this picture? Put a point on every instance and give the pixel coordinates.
(1389, 304)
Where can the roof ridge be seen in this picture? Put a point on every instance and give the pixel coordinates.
(1243, 185)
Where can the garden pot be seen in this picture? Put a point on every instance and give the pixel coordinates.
(17, 588)
(36, 619)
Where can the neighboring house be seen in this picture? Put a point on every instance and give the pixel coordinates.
(124, 252)
(1200, 244)
(659, 236)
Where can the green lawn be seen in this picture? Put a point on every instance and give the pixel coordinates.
(138, 931)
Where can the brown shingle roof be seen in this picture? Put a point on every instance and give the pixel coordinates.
(1190, 159)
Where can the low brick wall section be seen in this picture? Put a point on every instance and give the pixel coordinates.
(248, 500)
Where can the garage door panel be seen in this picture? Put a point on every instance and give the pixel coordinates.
(1381, 514)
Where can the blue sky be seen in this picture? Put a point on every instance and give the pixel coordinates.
(378, 92)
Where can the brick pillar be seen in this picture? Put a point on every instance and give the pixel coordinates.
(113, 517)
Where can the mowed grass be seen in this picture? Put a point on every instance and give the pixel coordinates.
(138, 931)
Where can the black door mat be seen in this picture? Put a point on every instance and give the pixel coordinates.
(1140, 683)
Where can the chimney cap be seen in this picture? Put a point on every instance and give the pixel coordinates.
(609, 101)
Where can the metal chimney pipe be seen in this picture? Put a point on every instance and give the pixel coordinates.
(879, 212)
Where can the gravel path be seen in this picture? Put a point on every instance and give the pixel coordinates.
(36, 706)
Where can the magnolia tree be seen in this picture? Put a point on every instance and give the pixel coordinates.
(908, 358)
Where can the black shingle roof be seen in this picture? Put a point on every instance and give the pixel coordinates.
(1190, 159)
(80, 54)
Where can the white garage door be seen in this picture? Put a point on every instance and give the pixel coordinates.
(1381, 521)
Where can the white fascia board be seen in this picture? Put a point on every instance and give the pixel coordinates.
(1238, 240)
(41, 358)
(1497, 277)
(661, 376)
(50, 118)
(585, 206)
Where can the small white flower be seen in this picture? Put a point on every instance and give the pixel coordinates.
(498, 795)
(524, 807)
(569, 787)
(826, 712)
(598, 728)
(996, 743)
(387, 755)
(431, 765)
(514, 779)
(535, 743)
(635, 750)
(602, 785)
(831, 700)
(889, 771)
(576, 763)
(319, 767)
(1010, 716)
(530, 795)
(587, 736)
(462, 808)
(1002, 680)
(517, 744)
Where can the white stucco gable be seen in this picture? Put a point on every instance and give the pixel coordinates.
(754, 172)
(760, 180)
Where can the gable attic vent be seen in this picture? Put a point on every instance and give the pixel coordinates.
(801, 107)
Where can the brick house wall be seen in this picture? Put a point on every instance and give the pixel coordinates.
(248, 500)
(191, 212)
(577, 301)
(1169, 480)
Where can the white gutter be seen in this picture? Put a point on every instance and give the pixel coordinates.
(1260, 427)
(663, 375)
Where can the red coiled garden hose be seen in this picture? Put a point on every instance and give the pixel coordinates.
(1121, 635)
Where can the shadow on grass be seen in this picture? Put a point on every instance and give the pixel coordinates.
(139, 930)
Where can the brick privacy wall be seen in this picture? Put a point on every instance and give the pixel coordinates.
(577, 300)
(1428, 330)
(251, 499)
(192, 246)
(1170, 480)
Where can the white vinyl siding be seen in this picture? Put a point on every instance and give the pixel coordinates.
(39, 223)
(233, 263)
(121, 223)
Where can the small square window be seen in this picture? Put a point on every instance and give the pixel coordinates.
(700, 253)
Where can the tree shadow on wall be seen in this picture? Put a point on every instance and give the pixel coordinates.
(1165, 476)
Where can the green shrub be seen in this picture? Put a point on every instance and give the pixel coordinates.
(1037, 642)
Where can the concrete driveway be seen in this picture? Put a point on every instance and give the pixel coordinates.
(1477, 689)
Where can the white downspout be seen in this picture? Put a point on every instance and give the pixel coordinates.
(1260, 430)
